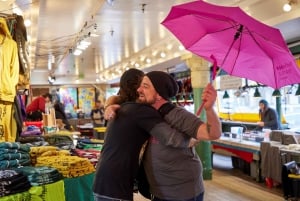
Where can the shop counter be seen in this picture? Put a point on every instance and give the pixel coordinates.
(249, 151)
(226, 125)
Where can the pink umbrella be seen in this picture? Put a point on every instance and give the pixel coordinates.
(236, 42)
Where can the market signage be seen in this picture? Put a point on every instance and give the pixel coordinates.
(230, 82)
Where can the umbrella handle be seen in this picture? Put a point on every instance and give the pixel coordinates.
(200, 108)
(214, 74)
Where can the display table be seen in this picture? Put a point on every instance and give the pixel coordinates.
(68, 189)
(249, 151)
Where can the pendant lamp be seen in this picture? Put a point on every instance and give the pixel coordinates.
(226, 95)
(256, 93)
(298, 91)
(276, 93)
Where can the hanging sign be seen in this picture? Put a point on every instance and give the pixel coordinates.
(230, 82)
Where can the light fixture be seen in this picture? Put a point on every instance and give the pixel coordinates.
(143, 7)
(51, 79)
(173, 99)
(162, 54)
(181, 98)
(298, 91)
(256, 93)
(226, 95)
(189, 98)
(287, 7)
(110, 2)
(276, 93)
(27, 23)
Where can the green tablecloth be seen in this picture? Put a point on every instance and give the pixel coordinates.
(79, 188)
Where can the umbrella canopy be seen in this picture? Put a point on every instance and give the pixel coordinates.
(239, 44)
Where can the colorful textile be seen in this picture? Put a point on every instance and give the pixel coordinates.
(38, 104)
(35, 152)
(24, 196)
(12, 156)
(60, 141)
(10, 66)
(49, 192)
(79, 188)
(40, 175)
(12, 182)
(91, 155)
(69, 166)
(14, 163)
(14, 145)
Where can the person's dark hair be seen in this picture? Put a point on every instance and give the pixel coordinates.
(129, 83)
(263, 101)
(47, 95)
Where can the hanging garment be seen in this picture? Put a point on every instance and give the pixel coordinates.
(6, 134)
(9, 64)
(19, 34)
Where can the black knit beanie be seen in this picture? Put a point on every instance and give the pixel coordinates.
(164, 84)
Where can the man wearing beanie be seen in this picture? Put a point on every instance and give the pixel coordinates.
(124, 137)
(176, 174)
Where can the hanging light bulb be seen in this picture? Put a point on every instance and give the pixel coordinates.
(287, 7)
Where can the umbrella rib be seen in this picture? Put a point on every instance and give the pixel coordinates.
(254, 39)
(237, 36)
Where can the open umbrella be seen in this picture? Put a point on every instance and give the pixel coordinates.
(234, 41)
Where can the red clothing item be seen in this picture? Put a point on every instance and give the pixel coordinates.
(36, 104)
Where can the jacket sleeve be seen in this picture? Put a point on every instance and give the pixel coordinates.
(183, 121)
(272, 119)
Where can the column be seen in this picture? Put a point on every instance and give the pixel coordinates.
(200, 76)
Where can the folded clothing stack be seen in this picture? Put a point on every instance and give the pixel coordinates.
(14, 154)
(12, 182)
(40, 175)
(68, 166)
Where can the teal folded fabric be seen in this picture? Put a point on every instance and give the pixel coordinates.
(40, 175)
(79, 188)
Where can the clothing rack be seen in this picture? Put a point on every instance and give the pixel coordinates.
(8, 16)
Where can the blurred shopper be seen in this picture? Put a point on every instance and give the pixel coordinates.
(60, 114)
(268, 117)
(37, 107)
(97, 116)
